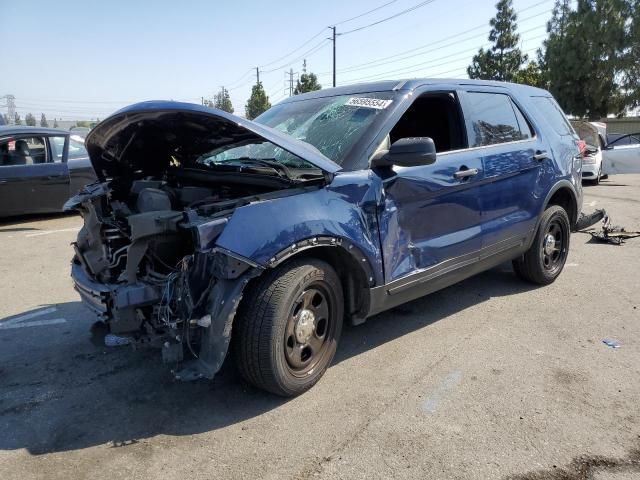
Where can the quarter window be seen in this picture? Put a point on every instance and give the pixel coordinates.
(492, 118)
(553, 115)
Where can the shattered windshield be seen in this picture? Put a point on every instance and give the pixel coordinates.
(331, 124)
(255, 149)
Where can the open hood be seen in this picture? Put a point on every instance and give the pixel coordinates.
(590, 131)
(145, 136)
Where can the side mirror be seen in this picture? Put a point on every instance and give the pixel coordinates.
(407, 152)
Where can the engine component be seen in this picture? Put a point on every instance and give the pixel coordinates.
(152, 200)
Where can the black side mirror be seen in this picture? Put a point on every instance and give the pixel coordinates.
(407, 152)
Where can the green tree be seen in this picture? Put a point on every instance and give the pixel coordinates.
(631, 59)
(585, 56)
(503, 60)
(17, 120)
(83, 123)
(531, 74)
(43, 121)
(222, 101)
(258, 102)
(30, 120)
(308, 82)
(55, 123)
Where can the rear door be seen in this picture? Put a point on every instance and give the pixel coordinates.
(32, 179)
(512, 156)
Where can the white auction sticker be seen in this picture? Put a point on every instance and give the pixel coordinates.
(376, 103)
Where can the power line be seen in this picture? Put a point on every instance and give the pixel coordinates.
(399, 56)
(420, 66)
(366, 13)
(323, 43)
(391, 17)
(321, 32)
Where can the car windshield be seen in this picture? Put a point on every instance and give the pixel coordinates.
(331, 124)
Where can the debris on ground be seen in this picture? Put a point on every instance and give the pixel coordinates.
(613, 234)
(111, 340)
(586, 220)
(611, 343)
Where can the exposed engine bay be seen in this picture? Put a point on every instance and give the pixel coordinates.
(146, 263)
(170, 179)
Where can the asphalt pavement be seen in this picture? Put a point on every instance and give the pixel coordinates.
(488, 379)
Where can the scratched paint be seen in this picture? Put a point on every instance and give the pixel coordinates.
(452, 380)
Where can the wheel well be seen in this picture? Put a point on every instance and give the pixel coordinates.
(355, 284)
(564, 198)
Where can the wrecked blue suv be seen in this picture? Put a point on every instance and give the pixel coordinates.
(208, 233)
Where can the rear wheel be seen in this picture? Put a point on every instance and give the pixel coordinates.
(545, 259)
(288, 327)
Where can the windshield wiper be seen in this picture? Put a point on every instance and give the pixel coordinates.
(280, 169)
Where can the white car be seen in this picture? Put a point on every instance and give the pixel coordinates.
(594, 135)
(622, 154)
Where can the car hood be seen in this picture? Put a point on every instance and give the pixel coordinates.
(145, 136)
(589, 131)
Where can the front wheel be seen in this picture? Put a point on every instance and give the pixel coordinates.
(546, 257)
(288, 327)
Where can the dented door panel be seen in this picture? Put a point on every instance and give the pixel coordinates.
(429, 216)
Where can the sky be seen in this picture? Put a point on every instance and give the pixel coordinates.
(77, 60)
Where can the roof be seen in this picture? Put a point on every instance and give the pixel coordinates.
(408, 85)
(22, 129)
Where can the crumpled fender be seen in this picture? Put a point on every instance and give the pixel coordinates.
(345, 209)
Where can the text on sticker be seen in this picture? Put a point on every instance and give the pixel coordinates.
(376, 103)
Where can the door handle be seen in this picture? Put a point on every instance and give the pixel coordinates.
(541, 155)
(469, 172)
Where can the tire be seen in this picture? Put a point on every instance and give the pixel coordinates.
(543, 262)
(598, 177)
(288, 327)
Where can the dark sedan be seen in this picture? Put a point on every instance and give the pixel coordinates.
(40, 168)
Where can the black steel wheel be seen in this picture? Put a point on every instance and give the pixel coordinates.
(288, 326)
(545, 259)
(553, 251)
(310, 329)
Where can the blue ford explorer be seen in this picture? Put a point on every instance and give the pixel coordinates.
(208, 233)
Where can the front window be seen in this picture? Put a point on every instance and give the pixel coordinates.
(23, 151)
(331, 124)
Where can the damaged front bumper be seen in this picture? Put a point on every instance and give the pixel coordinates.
(113, 301)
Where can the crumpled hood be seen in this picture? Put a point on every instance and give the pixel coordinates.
(144, 137)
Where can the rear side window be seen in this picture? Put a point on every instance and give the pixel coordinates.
(492, 118)
(553, 115)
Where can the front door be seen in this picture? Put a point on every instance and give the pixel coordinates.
(31, 180)
(430, 217)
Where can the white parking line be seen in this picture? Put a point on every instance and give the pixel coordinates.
(593, 204)
(28, 316)
(450, 381)
(35, 323)
(49, 232)
(20, 321)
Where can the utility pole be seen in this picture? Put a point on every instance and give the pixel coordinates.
(11, 108)
(291, 82)
(334, 54)
(257, 75)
